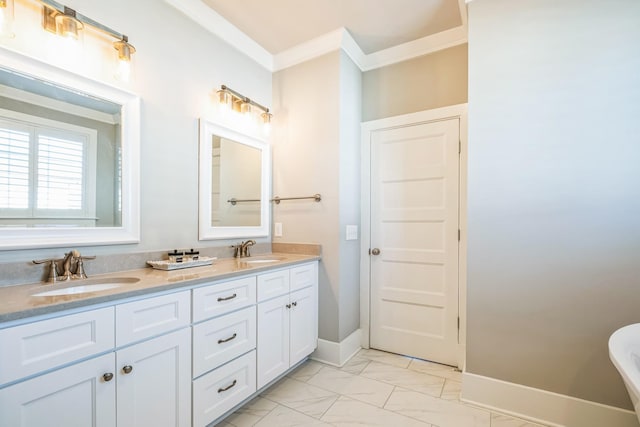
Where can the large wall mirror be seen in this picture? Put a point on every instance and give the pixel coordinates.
(69, 156)
(234, 184)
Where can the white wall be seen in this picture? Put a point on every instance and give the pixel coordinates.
(178, 65)
(316, 144)
(554, 191)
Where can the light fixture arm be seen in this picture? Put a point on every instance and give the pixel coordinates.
(60, 8)
(244, 98)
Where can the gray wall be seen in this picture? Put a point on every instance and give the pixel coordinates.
(554, 191)
(315, 138)
(423, 83)
(178, 65)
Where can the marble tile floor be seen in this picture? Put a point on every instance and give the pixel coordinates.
(373, 389)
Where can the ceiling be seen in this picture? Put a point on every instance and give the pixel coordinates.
(279, 25)
(374, 33)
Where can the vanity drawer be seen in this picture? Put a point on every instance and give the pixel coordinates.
(221, 298)
(303, 276)
(222, 389)
(222, 339)
(271, 285)
(35, 347)
(138, 320)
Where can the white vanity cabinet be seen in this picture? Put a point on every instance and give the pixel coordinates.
(287, 319)
(144, 383)
(153, 381)
(176, 359)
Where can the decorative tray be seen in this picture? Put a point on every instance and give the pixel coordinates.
(167, 265)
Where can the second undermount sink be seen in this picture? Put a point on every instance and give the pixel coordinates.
(90, 285)
(263, 260)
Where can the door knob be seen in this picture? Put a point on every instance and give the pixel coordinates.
(375, 251)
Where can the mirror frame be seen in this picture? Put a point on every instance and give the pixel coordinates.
(205, 230)
(129, 231)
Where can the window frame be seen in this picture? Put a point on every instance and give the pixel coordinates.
(38, 126)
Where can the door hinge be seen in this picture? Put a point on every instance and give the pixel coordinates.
(459, 146)
(369, 251)
(458, 322)
(458, 234)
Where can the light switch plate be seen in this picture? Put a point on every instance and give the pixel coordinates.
(352, 232)
(277, 229)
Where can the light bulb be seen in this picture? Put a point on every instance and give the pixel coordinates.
(6, 18)
(123, 70)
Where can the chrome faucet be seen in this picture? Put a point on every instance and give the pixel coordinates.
(241, 250)
(72, 267)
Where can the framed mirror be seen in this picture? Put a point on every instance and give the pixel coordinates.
(234, 184)
(69, 158)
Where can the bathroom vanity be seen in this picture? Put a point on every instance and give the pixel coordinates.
(173, 348)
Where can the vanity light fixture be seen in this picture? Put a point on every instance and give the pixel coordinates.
(229, 99)
(6, 18)
(66, 22)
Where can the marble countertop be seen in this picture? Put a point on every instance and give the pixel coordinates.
(17, 302)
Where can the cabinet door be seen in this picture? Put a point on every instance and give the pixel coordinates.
(156, 390)
(304, 320)
(76, 396)
(273, 339)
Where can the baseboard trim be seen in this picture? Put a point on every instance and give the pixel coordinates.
(540, 406)
(337, 354)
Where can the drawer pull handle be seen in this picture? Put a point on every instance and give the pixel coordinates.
(228, 339)
(220, 390)
(227, 298)
(127, 369)
(107, 377)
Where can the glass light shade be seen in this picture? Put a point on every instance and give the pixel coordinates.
(68, 26)
(6, 18)
(266, 122)
(245, 108)
(225, 101)
(125, 50)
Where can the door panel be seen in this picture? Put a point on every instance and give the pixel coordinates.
(414, 223)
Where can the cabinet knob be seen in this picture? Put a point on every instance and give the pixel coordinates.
(107, 377)
(127, 369)
(295, 303)
(288, 305)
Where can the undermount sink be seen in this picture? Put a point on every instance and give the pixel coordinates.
(90, 285)
(624, 352)
(263, 260)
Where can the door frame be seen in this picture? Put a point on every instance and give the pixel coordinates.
(458, 111)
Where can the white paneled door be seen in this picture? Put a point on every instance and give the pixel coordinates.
(414, 240)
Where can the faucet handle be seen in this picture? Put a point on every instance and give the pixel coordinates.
(53, 268)
(80, 273)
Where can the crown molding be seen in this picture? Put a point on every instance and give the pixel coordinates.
(413, 49)
(330, 42)
(340, 38)
(212, 21)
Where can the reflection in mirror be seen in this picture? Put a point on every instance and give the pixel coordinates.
(69, 155)
(59, 156)
(236, 172)
(234, 184)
